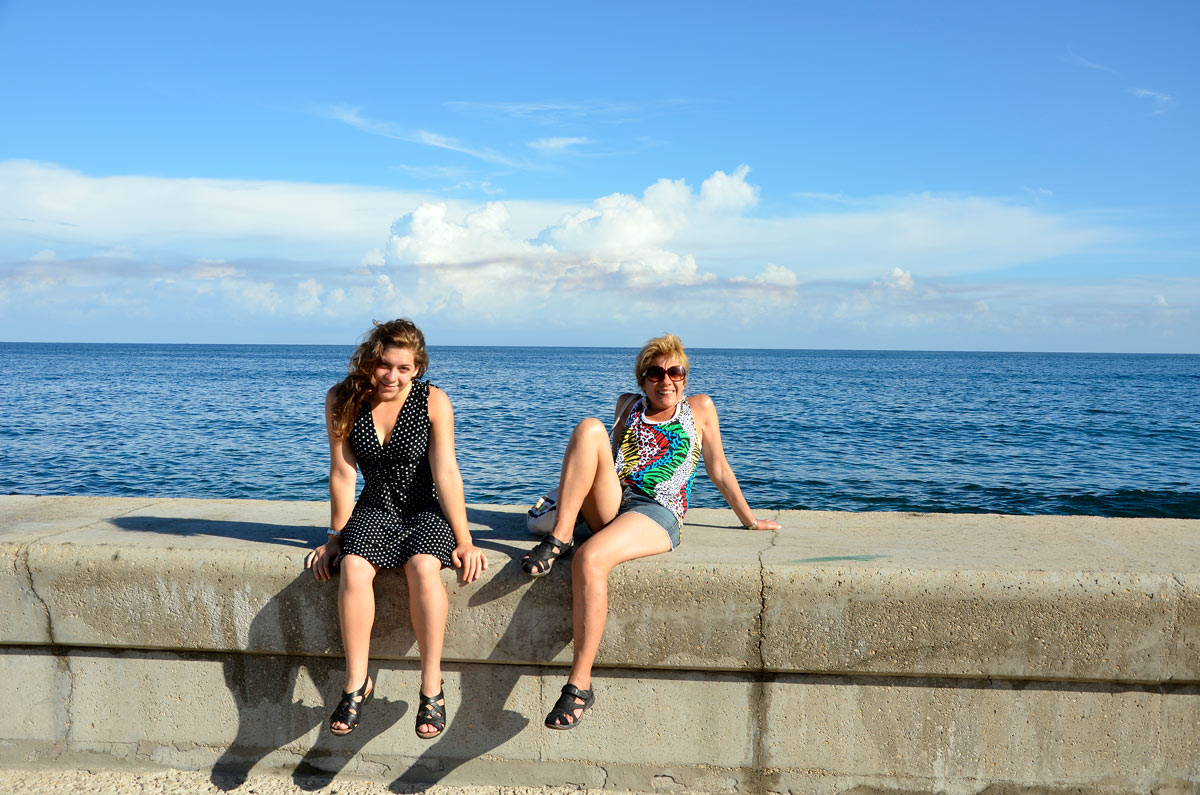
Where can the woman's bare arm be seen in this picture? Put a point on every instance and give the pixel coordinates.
(343, 475)
(717, 465)
(448, 479)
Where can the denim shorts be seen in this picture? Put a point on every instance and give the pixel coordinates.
(633, 501)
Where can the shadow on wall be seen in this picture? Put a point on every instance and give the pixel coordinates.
(290, 535)
(267, 687)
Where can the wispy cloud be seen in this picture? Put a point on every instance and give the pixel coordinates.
(552, 145)
(1079, 60)
(835, 198)
(435, 172)
(385, 129)
(454, 179)
(552, 112)
(1160, 102)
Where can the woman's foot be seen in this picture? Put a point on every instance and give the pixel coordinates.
(345, 716)
(539, 560)
(569, 708)
(431, 715)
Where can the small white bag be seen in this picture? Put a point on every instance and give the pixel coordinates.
(539, 519)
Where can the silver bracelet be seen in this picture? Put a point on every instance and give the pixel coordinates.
(752, 526)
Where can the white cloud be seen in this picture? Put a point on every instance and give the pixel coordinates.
(896, 279)
(212, 269)
(775, 275)
(724, 191)
(1160, 102)
(673, 236)
(46, 202)
(557, 144)
(618, 242)
(258, 297)
(426, 236)
(280, 251)
(308, 297)
(45, 255)
(940, 235)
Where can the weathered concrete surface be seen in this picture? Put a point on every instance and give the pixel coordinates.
(1049, 597)
(58, 781)
(729, 732)
(1073, 598)
(847, 652)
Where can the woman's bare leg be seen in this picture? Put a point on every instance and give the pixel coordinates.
(356, 613)
(588, 483)
(627, 537)
(428, 606)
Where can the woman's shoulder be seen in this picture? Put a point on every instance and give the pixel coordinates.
(624, 403)
(332, 397)
(701, 405)
(436, 399)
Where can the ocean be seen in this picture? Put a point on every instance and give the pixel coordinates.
(1018, 433)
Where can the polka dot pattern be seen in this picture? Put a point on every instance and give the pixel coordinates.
(397, 515)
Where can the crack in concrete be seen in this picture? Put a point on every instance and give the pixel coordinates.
(23, 557)
(762, 598)
(60, 654)
(760, 780)
(98, 522)
(69, 707)
(109, 519)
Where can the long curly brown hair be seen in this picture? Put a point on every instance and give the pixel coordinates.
(359, 384)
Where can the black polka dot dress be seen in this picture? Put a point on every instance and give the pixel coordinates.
(397, 514)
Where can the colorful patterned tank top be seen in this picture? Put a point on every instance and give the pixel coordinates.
(659, 458)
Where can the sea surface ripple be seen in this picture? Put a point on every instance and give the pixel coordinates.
(1018, 433)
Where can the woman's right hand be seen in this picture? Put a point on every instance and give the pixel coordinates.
(321, 559)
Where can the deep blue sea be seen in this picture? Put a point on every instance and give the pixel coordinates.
(1023, 433)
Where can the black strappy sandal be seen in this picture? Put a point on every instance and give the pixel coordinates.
(431, 713)
(348, 709)
(548, 550)
(563, 715)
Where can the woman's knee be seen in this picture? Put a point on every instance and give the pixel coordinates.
(587, 564)
(357, 571)
(590, 428)
(423, 570)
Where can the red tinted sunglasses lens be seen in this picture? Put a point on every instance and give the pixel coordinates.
(657, 373)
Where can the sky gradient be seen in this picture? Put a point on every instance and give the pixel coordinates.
(934, 175)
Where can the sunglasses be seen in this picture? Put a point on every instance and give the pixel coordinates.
(657, 373)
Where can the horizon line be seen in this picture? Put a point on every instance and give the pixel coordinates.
(617, 347)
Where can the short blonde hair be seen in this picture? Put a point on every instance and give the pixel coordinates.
(667, 345)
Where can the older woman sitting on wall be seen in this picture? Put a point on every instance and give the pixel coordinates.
(632, 490)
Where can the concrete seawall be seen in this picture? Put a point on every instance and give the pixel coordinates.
(845, 653)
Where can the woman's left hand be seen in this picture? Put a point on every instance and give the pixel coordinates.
(470, 559)
(765, 524)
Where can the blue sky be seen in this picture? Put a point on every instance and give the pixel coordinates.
(931, 175)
